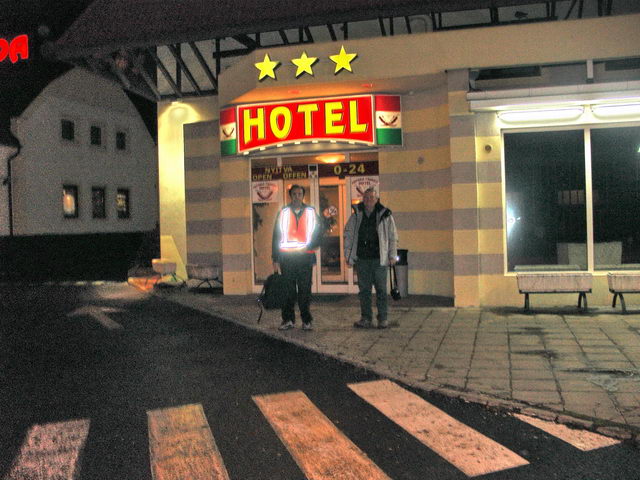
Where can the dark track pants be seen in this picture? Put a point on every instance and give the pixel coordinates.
(298, 269)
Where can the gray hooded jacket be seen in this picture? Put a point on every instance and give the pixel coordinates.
(387, 234)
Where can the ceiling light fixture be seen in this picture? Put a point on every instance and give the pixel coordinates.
(616, 110)
(552, 114)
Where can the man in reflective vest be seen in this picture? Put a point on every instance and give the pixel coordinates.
(296, 234)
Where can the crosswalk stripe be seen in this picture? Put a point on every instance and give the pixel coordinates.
(581, 439)
(50, 450)
(321, 451)
(465, 448)
(182, 446)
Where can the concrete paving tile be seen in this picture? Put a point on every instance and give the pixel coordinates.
(528, 362)
(517, 341)
(491, 350)
(631, 401)
(628, 385)
(449, 378)
(532, 375)
(573, 386)
(591, 399)
(490, 385)
(601, 350)
(479, 373)
(596, 343)
(534, 385)
(488, 358)
(498, 345)
(450, 367)
(560, 365)
(452, 382)
(606, 359)
(489, 365)
(561, 343)
(538, 398)
(609, 365)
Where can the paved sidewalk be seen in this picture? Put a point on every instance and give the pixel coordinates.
(579, 369)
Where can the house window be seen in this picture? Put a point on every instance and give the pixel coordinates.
(96, 135)
(70, 201)
(121, 141)
(122, 203)
(571, 199)
(98, 202)
(67, 130)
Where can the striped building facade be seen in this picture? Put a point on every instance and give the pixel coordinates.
(445, 183)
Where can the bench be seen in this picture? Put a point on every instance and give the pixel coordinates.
(555, 282)
(163, 267)
(204, 273)
(620, 283)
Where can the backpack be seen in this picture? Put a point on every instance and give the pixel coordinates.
(275, 292)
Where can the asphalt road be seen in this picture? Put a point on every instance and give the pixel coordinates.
(108, 355)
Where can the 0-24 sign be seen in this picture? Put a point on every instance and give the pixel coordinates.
(348, 169)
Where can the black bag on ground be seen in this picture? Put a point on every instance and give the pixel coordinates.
(275, 291)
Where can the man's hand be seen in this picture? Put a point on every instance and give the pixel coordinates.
(276, 267)
(393, 261)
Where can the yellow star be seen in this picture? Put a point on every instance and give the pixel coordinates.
(343, 60)
(267, 67)
(304, 64)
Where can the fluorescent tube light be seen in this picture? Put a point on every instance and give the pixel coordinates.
(555, 114)
(616, 110)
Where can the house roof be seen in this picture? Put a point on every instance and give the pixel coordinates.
(107, 25)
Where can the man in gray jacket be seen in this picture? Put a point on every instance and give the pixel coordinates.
(371, 244)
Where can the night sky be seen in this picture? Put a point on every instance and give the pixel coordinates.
(42, 21)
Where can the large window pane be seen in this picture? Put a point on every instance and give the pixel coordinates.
(615, 157)
(546, 211)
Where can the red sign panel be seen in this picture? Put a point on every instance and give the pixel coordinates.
(14, 49)
(337, 118)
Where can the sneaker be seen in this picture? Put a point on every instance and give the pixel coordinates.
(362, 324)
(286, 325)
(383, 324)
(307, 326)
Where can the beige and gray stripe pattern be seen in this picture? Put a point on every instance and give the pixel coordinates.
(476, 196)
(202, 193)
(416, 185)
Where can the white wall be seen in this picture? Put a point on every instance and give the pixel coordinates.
(5, 152)
(47, 162)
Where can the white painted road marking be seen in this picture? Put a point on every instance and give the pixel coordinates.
(321, 451)
(581, 439)
(99, 314)
(50, 451)
(465, 448)
(182, 446)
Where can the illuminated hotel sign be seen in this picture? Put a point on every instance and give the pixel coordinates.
(15, 49)
(361, 119)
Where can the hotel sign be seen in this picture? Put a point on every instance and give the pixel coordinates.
(362, 119)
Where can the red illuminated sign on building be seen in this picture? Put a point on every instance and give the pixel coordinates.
(342, 118)
(363, 119)
(14, 49)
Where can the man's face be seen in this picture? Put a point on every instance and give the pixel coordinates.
(369, 200)
(297, 195)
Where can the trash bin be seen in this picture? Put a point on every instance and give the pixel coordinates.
(402, 272)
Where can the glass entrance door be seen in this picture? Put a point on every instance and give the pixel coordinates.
(332, 200)
(333, 184)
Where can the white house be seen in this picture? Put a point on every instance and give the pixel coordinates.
(87, 163)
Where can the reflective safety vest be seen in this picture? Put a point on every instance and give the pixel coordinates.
(296, 234)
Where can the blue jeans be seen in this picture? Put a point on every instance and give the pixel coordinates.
(371, 273)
